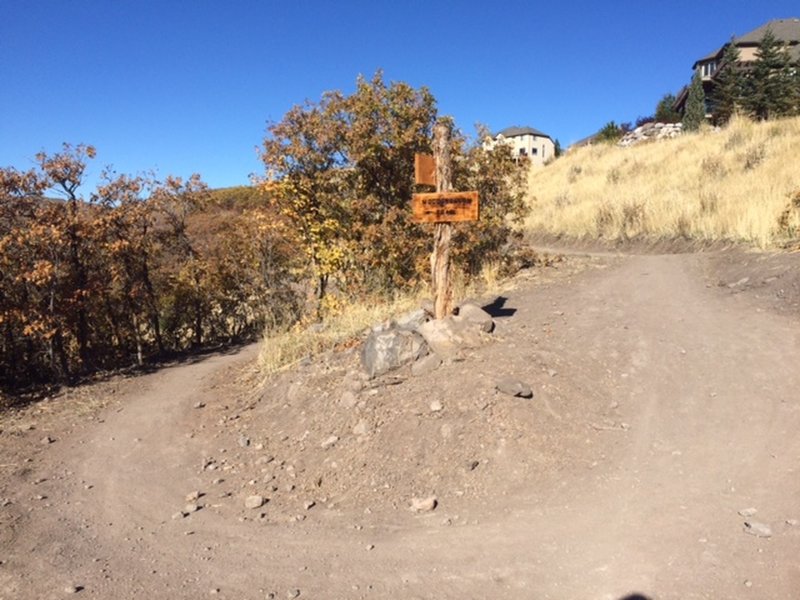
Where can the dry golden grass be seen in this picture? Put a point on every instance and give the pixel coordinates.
(282, 349)
(285, 348)
(728, 185)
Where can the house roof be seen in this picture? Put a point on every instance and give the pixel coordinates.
(517, 130)
(785, 30)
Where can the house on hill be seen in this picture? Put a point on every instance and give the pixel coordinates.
(710, 66)
(525, 141)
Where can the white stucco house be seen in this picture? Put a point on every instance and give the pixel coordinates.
(525, 141)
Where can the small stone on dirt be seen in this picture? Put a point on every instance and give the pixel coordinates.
(329, 442)
(426, 364)
(309, 504)
(472, 465)
(191, 507)
(73, 589)
(757, 529)
(254, 501)
(293, 593)
(514, 387)
(792, 522)
(47, 440)
(436, 406)
(244, 441)
(748, 512)
(348, 399)
(424, 504)
(361, 428)
(192, 496)
(199, 405)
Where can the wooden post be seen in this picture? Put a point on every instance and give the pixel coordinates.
(443, 232)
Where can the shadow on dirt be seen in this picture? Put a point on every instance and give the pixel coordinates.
(636, 597)
(497, 308)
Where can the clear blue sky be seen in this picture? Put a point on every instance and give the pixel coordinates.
(189, 86)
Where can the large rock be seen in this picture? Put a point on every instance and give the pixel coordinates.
(474, 314)
(446, 337)
(387, 350)
(412, 320)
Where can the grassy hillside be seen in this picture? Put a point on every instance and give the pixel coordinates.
(741, 183)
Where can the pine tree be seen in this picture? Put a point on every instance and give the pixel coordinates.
(665, 111)
(771, 90)
(729, 91)
(695, 113)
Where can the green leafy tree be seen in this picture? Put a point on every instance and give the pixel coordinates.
(665, 110)
(611, 132)
(695, 113)
(729, 92)
(771, 85)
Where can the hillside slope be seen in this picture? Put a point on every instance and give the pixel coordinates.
(740, 183)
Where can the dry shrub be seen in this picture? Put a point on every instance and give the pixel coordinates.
(282, 348)
(789, 221)
(709, 203)
(633, 219)
(753, 157)
(714, 166)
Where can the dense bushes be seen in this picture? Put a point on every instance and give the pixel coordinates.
(137, 269)
(142, 268)
(341, 170)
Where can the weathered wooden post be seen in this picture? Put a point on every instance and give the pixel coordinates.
(443, 232)
(442, 208)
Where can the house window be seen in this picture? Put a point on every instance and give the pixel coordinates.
(534, 151)
(522, 152)
(709, 68)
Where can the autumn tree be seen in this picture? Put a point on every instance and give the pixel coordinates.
(501, 181)
(131, 272)
(341, 171)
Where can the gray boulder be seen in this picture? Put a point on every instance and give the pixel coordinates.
(387, 350)
(449, 335)
(474, 314)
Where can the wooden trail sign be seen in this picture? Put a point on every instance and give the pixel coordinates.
(445, 207)
(425, 169)
(441, 208)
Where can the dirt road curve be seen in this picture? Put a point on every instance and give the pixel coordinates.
(674, 406)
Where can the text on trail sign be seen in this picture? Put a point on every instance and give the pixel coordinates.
(445, 207)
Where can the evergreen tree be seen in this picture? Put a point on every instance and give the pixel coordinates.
(665, 110)
(729, 92)
(771, 89)
(695, 113)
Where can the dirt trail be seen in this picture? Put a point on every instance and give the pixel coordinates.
(664, 405)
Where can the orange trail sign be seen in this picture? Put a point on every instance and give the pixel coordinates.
(425, 169)
(444, 207)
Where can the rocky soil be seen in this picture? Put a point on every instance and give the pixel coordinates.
(657, 457)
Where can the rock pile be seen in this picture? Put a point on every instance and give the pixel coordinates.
(651, 131)
(418, 340)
